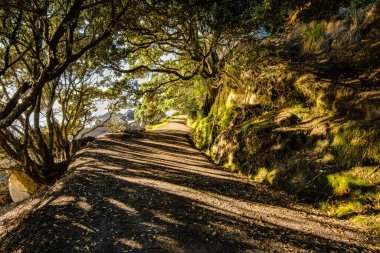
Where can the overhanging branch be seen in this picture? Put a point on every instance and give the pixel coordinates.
(155, 70)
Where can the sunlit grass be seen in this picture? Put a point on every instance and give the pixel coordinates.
(343, 184)
(314, 37)
(271, 176)
(357, 142)
(370, 221)
(355, 195)
(263, 175)
(342, 209)
(354, 14)
(231, 166)
(161, 124)
(191, 122)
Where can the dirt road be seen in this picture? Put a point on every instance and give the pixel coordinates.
(156, 193)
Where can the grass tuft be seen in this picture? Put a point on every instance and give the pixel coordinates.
(343, 184)
(357, 142)
(314, 37)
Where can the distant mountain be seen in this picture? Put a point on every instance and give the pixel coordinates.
(119, 120)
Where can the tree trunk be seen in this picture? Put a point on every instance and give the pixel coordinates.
(47, 156)
(210, 100)
(45, 175)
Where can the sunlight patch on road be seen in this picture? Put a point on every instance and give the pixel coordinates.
(84, 205)
(273, 216)
(175, 165)
(169, 244)
(131, 243)
(166, 218)
(62, 201)
(85, 228)
(123, 206)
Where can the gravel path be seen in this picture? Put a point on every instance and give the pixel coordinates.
(156, 193)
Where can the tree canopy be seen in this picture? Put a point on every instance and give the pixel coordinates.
(51, 52)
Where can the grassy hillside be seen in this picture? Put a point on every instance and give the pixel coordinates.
(306, 122)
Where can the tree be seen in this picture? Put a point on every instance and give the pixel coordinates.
(184, 39)
(183, 96)
(176, 43)
(38, 43)
(47, 38)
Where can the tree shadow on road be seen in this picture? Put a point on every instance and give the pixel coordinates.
(158, 194)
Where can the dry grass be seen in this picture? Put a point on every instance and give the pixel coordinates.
(314, 37)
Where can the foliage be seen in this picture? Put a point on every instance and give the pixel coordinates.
(354, 8)
(361, 3)
(150, 110)
(231, 167)
(219, 119)
(190, 122)
(264, 176)
(355, 196)
(183, 96)
(199, 40)
(42, 70)
(343, 184)
(249, 140)
(319, 9)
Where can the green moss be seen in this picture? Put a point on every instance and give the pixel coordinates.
(219, 119)
(257, 126)
(263, 175)
(202, 135)
(227, 118)
(351, 195)
(190, 122)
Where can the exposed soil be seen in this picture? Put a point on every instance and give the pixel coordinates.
(155, 193)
